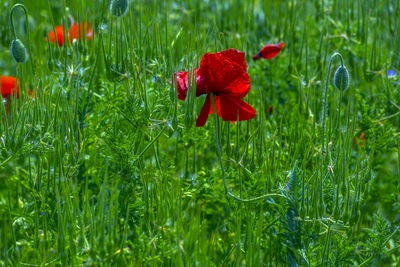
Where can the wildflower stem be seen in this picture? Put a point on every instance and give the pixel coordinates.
(325, 98)
(219, 154)
(388, 117)
(27, 27)
(151, 143)
(366, 261)
(11, 18)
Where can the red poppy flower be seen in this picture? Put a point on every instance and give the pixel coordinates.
(359, 140)
(225, 75)
(8, 86)
(31, 94)
(75, 33)
(58, 36)
(270, 109)
(269, 51)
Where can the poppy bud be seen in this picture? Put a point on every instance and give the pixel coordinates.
(119, 7)
(341, 78)
(18, 51)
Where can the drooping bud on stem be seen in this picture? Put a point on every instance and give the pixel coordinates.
(341, 81)
(17, 49)
(341, 78)
(119, 7)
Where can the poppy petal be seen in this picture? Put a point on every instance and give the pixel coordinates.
(203, 116)
(271, 50)
(76, 33)
(58, 36)
(8, 86)
(31, 94)
(216, 105)
(231, 106)
(181, 84)
(223, 73)
(181, 79)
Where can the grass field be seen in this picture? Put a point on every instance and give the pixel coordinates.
(103, 165)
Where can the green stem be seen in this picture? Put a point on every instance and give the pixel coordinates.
(27, 28)
(392, 249)
(325, 100)
(26, 21)
(219, 153)
(366, 261)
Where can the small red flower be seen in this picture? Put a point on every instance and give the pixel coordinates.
(58, 36)
(269, 51)
(8, 86)
(73, 33)
(224, 75)
(31, 94)
(270, 109)
(360, 141)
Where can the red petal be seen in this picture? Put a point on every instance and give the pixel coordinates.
(216, 106)
(31, 94)
(181, 79)
(227, 107)
(59, 35)
(202, 119)
(231, 107)
(181, 84)
(256, 57)
(74, 32)
(271, 50)
(8, 86)
(223, 73)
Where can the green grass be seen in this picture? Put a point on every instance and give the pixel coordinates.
(105, 167)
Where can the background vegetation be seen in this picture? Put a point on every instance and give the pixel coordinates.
(105, 167)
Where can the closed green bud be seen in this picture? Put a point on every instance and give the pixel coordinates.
(18, 51)
(341, 79)
(119, 7)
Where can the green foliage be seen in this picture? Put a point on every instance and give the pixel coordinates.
(377, 238)
(104, 165)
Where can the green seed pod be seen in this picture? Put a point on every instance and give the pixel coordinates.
(18, 51)
(119, 7)
(341, 78)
